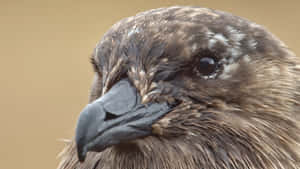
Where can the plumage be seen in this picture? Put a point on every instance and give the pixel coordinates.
(239, 109)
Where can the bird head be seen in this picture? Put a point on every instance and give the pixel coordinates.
(194, 84)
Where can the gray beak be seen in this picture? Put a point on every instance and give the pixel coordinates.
(116, 117)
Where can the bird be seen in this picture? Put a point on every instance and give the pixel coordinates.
(187, 87)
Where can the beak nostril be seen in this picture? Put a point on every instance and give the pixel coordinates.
(110, 116)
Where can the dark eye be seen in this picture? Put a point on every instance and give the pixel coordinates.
(206, 66)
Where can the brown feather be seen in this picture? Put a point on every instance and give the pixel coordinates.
(246, 116)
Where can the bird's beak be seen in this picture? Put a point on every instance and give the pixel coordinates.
(116, 117)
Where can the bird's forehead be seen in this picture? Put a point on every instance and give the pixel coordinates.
(186, 29)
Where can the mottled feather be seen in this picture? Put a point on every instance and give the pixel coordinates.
(245, 116)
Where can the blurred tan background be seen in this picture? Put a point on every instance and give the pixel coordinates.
(45, 72)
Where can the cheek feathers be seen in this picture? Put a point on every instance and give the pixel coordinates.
(142, 80)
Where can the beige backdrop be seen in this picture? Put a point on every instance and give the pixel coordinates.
(45, 72)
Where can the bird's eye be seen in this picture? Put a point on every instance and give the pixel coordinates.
(206, 66)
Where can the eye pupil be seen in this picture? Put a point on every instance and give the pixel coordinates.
(207, 66)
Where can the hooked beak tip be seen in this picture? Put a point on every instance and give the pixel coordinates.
(81, 153)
